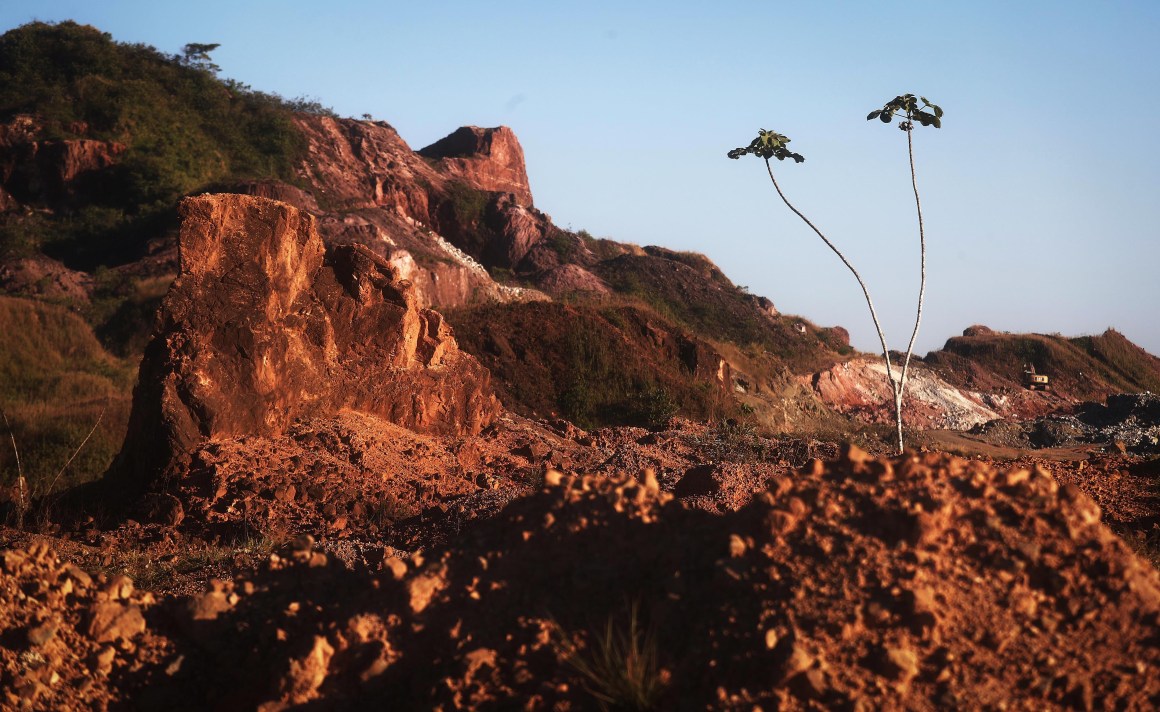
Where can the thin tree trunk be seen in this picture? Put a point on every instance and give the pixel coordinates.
(22, 501)
(921, 286)
(894, 385)
(52, 485)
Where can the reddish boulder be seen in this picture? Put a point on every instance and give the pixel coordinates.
(518, 230)
(68, 160)
(491, 160)
(571, 279)
(837, 336)
(265, 326)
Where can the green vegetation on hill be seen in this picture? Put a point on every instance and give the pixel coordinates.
(1086, 367)
(1123, 358)
(691, 291)
(593, 365)
(183, 128)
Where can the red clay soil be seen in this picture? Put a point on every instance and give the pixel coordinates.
(1125, 487)
(919, 582)
(358, 477)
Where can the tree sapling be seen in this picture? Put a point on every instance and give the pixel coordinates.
(906, 108)
(770, 144)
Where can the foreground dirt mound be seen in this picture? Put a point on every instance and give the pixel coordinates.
(920, 582)
(265, 326)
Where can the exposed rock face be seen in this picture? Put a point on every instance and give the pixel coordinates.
(360, 164)
(569, 279)
(839, 335)
(487, 159)
(372, 189)
(277, 190)
(52, 172)
(860, 387)
(265, 326)
(442, 275)
(765, 306)
(68, 160)
(518, 228)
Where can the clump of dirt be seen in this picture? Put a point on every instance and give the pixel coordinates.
(920, 582)
(68, 639)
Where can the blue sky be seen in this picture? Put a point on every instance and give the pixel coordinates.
(1039, 192)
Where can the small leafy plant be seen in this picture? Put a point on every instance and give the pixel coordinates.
(770, 144)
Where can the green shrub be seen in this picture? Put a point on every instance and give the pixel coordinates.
(469, 204)
(563, 245)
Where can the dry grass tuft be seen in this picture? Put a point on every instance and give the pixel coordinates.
(619, 665)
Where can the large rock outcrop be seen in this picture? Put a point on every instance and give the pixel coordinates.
(364, 164)
(361, 164)
(265, 326)
(491, 160)
(440, 220)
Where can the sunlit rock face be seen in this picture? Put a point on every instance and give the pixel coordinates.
(491, 160)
